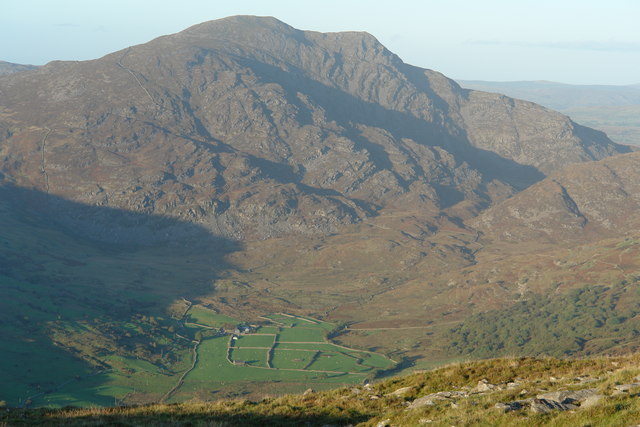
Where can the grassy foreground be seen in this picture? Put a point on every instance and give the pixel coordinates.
(387, 402)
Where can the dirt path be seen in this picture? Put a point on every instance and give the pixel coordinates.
(399, 328)
(119, 63)
(44, 164)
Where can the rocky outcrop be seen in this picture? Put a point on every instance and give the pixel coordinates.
(554, 401)
(560, 400)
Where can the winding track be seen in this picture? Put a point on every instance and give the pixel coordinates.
(194, 352)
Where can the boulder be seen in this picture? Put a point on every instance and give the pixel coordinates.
(625, 388)
(421, 402)
(401, 391)
(591, 401)
(569, 397)
(513, 406)
(431, 399)
(483, 386)
(543, 406)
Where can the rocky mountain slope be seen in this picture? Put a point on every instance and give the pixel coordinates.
(589, 201)
(255, 129)
(611, 109)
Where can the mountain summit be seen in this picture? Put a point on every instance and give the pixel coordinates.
(255, 129)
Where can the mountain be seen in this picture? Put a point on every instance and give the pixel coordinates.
(157, 199)
(7, 68)
(255, 129)
(611, 109)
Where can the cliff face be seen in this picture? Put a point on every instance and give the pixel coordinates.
(255, 129)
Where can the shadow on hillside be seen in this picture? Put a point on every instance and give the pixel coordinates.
(110, 226)
(67, 268)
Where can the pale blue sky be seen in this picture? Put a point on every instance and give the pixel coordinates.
(571, 41)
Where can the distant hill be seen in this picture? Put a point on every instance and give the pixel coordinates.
(560, 96)
(612, 109)
(7, 68)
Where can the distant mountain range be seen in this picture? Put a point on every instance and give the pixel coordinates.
(7, 68)
(613, 109)
(252, 168)
(560, 96)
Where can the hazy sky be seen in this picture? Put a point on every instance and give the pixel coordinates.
(571, 41)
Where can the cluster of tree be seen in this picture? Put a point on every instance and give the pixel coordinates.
(558, 325)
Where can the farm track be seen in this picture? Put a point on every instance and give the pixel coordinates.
(194, 362)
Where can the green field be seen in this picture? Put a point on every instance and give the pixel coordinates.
(215, 374)
(301, 334)
(373, 360)
(249, 356)
(207, 317)
(272, 330)
(254, 341)
(304, 346)
(300, 321)
(295, 366)
(292, 359)
(338, 361)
